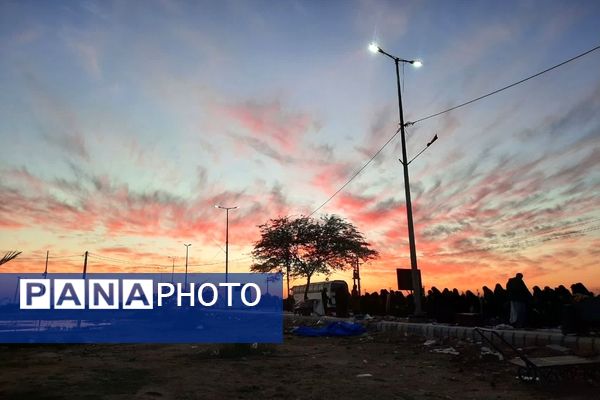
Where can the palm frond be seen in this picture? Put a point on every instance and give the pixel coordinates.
(11, 255)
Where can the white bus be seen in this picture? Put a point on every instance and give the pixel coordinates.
(314, 294)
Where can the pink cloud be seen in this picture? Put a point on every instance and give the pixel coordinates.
(329, 177)
(271, 122)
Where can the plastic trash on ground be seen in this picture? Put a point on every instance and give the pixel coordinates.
(332, 329)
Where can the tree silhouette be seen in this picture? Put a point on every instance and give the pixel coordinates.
(306, 246)
(11, 255)
(273, 252)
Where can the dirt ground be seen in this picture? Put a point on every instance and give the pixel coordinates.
(300, 368)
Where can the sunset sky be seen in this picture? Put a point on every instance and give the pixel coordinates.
(123, 123)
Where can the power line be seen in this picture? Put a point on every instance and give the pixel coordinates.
(44, 258)
(111, 259)
(124, 261)
(134, 263)
(505, 87)
(446, 111)
(219, 262)
(356, 173)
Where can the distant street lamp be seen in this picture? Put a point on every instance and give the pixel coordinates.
(226, 238)
(186, 263)
(416, 281)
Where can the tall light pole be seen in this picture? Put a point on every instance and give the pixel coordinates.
(186, 263)
(416, 279)
(226, 238)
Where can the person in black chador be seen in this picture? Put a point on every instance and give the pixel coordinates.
(355, 300)
(341, 302)
(519, 297)
(324, 300)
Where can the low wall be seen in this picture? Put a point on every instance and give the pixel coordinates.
(517, 338)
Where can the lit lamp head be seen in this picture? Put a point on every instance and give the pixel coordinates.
(417, 63)
(225, 208)
(373, 47)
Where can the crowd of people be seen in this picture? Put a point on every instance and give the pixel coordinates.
(512, 304)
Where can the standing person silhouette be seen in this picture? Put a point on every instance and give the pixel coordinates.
(324, 300)
(355, 300)
(341, 302)
(519, 297)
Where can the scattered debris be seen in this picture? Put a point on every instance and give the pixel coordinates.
(527, 378)
(364, 375)
(430, 342)
(447, 350)
(486, 352)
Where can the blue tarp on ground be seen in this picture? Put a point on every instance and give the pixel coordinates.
(332, 329)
